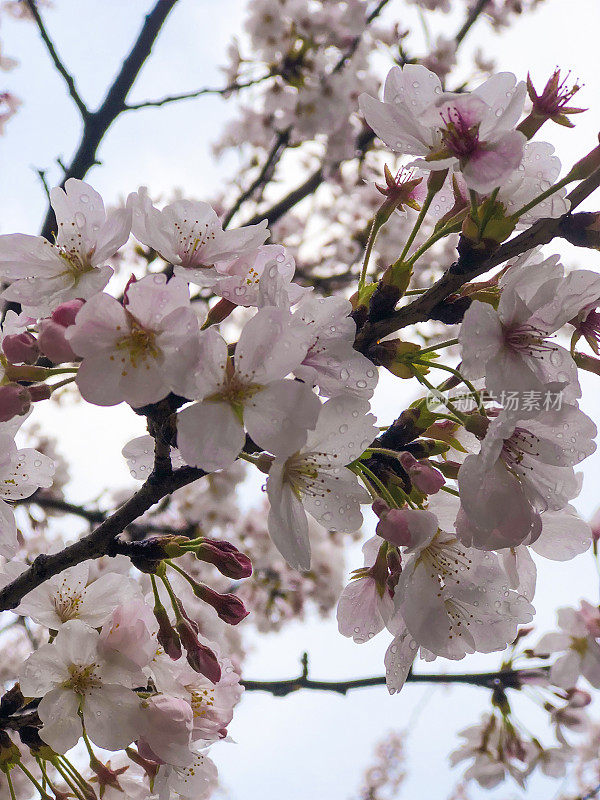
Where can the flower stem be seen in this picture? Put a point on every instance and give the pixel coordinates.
(438, 346)
(548, 193)
(34, 780)
(419, 221)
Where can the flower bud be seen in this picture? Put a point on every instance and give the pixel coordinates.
(200, 658)
(65, 313)
(167, 724)
(167, 636)
(39, 391)
(53, 343)
(225, 557)
(21, 348)
(422, 475)
(394, 528)
(15, 401)
(228, 607)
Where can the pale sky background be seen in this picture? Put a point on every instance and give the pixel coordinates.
(310, 744)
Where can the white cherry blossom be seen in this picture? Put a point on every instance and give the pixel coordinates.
(261, 277)
(577, 640)
(524, 467)
(331, 362)
(314, 479)
(189, 235)
(454, 600)
(140, 351)
(366, 604)
(44, 275)
(22, 472)
(249, 391)
(511, 345)
(70, 675)
(197, 781)
(69, 596)
(473, 132)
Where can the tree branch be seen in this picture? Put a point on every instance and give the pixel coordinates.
(64, 72)
(98, 542)
(98, 122)
(502, 679)
(471, 266)
(175, 98)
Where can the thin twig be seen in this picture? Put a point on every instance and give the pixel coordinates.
(275, 153)
(474, 14)
(96, 124)
(64, 72)
(176, 98)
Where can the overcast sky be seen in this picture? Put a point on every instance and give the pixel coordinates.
(310, 744)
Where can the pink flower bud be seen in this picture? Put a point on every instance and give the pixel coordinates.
(380, 507)
(39, 391)
(66, 312)
(200, 658)
(167, 636)
(15, 401)
(229, 607)
(423, 476)
(53, 343)
(394, 527)
(226, 558)
(21, 348)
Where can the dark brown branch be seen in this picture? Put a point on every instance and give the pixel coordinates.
(277, 150)
(474, 14)
(466, 268)
(98, 542)
(176, 98)
(503, 679)
(60, 67)
(97, 123)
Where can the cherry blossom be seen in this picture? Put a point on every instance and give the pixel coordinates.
(22, 472)
(69, 596)
(577, 640)
(248, 391)
(366, 605)
(137, 352)
(188, 234)
(194, 782)
(510, 345)
(69, 675)
(524, 467)
(331, 362)
(261, 277)
(43, 275)
(314, 479)
(473, 132)
(440, 597)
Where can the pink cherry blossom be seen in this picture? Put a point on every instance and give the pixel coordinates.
(331, 362)
(473, 132)
(138, 352)
(524, 467)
